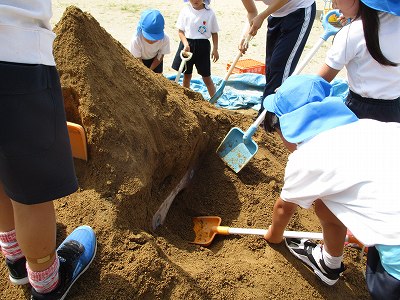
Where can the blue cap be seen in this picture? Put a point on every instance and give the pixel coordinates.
(151, 25)
(389, 6)
(305, 107)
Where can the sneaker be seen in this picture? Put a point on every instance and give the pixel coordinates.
(302, 249)
(17, 271)
(75, 253)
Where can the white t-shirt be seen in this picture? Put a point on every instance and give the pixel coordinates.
(197, 24)
(355, 170)
(289, 7)
(365, 75)
(25, 32)
(142, 49)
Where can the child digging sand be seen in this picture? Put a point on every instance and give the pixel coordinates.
(149, 42)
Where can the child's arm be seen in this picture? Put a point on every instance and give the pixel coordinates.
(327, 72)
(256, 21)
(184, 41)
(215, 54)
(156, 61)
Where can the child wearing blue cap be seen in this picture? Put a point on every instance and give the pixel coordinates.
(367, 48)
(348, 168)
(150, 43)
(196, 24)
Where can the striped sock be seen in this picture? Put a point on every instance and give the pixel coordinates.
(9, 245)
(44, 281)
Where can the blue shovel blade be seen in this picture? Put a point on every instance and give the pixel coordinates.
(218, 93)
(235, 151)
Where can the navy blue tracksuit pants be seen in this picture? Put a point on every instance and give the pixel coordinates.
(286, 38)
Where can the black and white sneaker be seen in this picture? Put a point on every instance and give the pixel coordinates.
(302, 249)
(17, 271)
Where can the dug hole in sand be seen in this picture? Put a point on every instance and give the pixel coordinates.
(144, 133)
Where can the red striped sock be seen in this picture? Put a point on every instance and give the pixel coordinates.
(9, 245)
(44, 281)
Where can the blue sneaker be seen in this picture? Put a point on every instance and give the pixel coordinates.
(75, 253)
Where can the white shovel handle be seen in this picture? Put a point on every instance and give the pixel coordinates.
(286, 234)
(310, 54)
(238, 56)
(184, 59)
(328, 31)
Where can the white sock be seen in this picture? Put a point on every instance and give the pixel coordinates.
(333, 262)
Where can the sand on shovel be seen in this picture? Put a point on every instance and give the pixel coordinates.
(144, 132)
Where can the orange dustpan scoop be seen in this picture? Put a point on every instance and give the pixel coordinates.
(77, 139)
(205, 230)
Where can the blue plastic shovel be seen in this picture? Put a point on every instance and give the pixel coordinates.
(238, 148)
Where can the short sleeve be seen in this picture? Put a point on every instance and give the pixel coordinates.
(135, 46)
(337, 56)
(180, 22)
(298, 187)
(214, 28)
(165, 48)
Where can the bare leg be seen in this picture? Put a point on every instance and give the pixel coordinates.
(186, 80)
(210, 85)
(35, 226)
(333, 230)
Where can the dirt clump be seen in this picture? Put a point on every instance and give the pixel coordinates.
(144, 133)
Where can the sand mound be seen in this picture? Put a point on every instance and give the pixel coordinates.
(144, 133)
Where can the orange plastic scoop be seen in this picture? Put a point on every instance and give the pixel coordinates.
(77, 139)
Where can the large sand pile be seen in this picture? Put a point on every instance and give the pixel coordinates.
(144, 133)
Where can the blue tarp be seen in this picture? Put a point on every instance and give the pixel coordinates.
(243, 91)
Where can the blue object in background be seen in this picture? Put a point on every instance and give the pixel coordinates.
(244, 91)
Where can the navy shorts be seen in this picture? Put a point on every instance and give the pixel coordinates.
(36, 163)
(381, 285)
(201, 50)
(148, 62)
(368, 108)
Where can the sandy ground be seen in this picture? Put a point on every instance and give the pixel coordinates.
(120, 18)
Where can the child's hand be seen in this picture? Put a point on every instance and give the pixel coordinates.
(243, 46)
(343, 20)
(255, 24)
(186, 48)
(215, 55)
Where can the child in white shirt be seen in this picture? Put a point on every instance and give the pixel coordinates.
(367, 48)
(150, 43)
(196, 24)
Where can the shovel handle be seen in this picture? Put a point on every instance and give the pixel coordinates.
(239, 55)
(310, 54)
(253, 127)
(225, 230)
(185, 56)
(328, 31)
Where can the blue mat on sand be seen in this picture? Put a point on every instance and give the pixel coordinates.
(243, 91)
